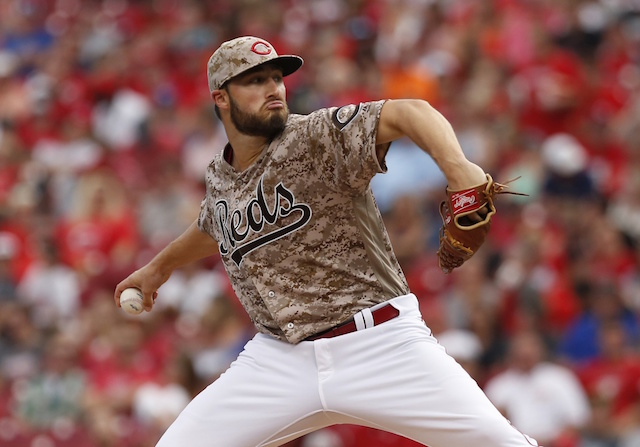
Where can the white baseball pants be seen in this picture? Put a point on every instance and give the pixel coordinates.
(394, 377)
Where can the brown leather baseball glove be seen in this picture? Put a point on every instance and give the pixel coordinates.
(466, 217)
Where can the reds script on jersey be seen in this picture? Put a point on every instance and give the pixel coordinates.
(299, 232)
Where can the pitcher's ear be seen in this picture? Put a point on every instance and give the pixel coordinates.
(220, 98)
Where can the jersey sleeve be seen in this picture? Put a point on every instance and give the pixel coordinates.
(205, 218)
(343, 139)
(204, 223)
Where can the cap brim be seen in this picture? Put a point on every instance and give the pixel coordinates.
(289, 63)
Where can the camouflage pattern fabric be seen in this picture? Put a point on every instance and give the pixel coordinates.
(299, 232)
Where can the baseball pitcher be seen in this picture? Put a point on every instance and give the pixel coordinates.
(340, 338)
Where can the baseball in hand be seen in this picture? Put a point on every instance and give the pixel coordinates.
(131, 301)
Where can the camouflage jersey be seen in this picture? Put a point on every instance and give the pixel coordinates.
(299, 232)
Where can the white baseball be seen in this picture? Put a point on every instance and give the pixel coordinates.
(131, 301)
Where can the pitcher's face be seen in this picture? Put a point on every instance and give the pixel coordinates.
(257, 102)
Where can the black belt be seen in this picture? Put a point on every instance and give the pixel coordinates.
(380, 315)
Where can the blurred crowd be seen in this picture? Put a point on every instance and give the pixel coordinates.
(106, 127)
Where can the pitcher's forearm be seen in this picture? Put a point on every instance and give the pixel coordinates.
(190, 246)
(428, 129)
(186, 248)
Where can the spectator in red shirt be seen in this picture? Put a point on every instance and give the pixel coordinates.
(612, 382)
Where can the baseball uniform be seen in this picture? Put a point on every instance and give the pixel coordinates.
(305, 248)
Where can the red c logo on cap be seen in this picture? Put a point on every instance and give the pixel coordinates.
(261, 48)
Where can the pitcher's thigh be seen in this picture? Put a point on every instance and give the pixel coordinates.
(405, 383)
(444, 407)
(258, 399)
(462, 416)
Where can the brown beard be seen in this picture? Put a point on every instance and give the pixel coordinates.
(252, 124)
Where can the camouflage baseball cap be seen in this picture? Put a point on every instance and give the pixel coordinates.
(239, 55)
